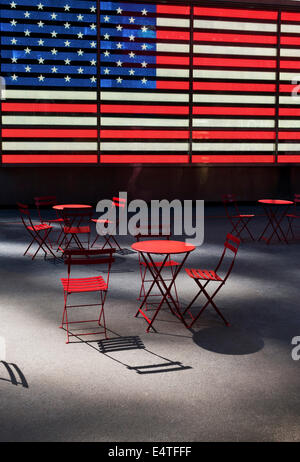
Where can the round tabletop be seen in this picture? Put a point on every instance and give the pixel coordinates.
(275, 202)
(162, 246)
(71, 206)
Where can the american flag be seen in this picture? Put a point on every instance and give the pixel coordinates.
(49, 60)
(90, 81)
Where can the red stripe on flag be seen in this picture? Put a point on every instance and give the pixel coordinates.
(234, 13)
(248, 111)
(232, 62)
(289, 111)
(48, 107)
(47, 133)
(48, 159)
(288, 159)
(172, 9)
(141, 109)
(286, 88)
(173, 60)
(235, 38)
(289, 135)
(232, 86)
(289, 64)
(144, 159)
(285, 16)
(225, 135)
(172, 35)
(289, 40)
(172, 85)
(147, 134)
(226, 159)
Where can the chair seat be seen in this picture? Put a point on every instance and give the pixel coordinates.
(243, 216)
(96, 220)
(40, 227)
(292, 215)
(92, 284)
(158, 264)
(77, 229)
(203, 274)
(55, 220)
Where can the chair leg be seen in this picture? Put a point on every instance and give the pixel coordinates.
(28, 247)
(63, 316)
(102, 315)
(209, 301)
(290, 228)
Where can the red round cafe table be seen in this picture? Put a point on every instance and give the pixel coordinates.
(147, 250)
(275, 210)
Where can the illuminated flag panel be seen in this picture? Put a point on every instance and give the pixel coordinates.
(144, 83)
(48, 57)
(234, 85)
(289, 99)
(97, 82)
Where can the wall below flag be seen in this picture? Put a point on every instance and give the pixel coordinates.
(98, 83)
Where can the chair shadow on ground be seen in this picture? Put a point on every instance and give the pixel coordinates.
(16, 376)
(228, 340)
(119, 344)
(135, 343)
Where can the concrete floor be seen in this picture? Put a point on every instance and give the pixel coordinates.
(210, 383)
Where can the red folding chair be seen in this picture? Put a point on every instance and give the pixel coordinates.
(293, 216)
(86, 285)
(39, 232)
(238, 220)
(43, 203)
(231, 245)
(76, 224)
(116, 202)
(161, 232)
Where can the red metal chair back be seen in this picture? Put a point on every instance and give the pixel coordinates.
(77, 216)
(44, 202)
(89, 257)
(229, 201)
(297, 198)
(231, 246)
(156, 232)
(25, 214)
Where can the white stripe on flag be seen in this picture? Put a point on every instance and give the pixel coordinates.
(151, 97)
(48, 146)
(143, 122)
(289, 123)
(142, 146)
(233, 146)
(52, 95)
(232, 25)
(234, 123)
(291, 28)
(289, 99)
(288, 147)
(290, 75)
(180, 73)
(231, 50)
(172, 47)
(172, 22)
(49, 120)
(294, 52)
(243, 99)
(245, 75)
